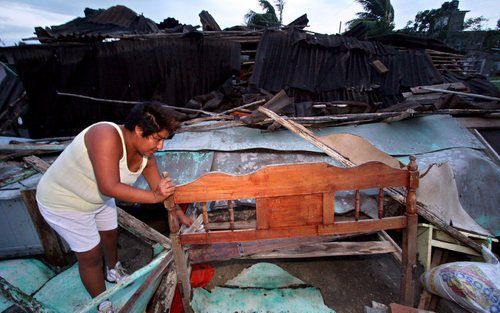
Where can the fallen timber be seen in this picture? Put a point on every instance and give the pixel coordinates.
(337, 120)
(422, 210)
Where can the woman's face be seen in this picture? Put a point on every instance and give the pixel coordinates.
(148, 145)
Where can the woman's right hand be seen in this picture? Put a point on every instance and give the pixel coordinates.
(164, 189)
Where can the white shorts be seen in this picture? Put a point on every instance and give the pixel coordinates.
(81, 229)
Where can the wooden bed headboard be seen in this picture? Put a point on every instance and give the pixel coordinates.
(297, 200)
(294, 200)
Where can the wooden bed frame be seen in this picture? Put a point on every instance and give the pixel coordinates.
(297, 200)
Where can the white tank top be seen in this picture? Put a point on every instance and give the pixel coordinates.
(70, 184)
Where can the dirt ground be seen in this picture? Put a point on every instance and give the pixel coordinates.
(346, 283)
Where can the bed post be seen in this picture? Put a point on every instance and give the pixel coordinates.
(410, 237)
(180, 257)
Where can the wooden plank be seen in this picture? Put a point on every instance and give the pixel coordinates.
(409, 261)
(37, 163)
(328, 208)
(141, 229)
(424, 245)
(348, 227)
(153, 277)
(50, 243)
(32, 147)
(380, 67)
(454, 247)
(262, 219)
(21, 299)
(289, 179)
(182, 269)
(330, 249)
(291, 210)
(233, 250)
(162, 299)
(398, 253)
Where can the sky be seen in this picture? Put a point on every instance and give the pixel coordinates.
(19, 17)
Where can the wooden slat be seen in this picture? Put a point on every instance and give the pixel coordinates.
(328, 208)
(141, 229)
(231, 214)
(330, 249)
(152, 279)
(283, 180)
(380, 202)
(205, 216)
(227, 251)
(357, 203)
(298, 231)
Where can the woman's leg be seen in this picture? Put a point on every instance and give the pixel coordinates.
(109, 241)
(90, 268)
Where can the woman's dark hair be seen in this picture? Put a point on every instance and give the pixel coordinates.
(152, 117)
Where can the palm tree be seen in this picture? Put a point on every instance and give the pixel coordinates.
(378, 16)
(266, 19)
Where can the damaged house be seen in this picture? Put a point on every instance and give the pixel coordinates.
(261, 102)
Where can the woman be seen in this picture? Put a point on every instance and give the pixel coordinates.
(76, 195)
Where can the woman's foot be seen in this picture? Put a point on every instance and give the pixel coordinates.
(105, 307)
(117, 274)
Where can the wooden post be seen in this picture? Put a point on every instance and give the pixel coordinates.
(380, 202)
(409, 238)
(23, 300)
(231, 214)
(162, 299)
(205, 216)
(357, 201)
(180, 258)
(50, 243)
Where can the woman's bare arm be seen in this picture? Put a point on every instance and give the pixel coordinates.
(105, 150)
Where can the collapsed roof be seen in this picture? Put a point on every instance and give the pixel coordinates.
(99, 24)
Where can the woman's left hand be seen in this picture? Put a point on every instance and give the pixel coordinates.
(164, 189)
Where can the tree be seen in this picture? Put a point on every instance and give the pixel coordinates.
(266, 19)
(475, 23)
(378, 16)
(498, 24)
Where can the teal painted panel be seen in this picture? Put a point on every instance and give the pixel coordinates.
(26, 274)
(264, 287)
(412, 136)
(66, 293)
(182, 166)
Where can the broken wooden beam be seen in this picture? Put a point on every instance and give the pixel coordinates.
(50, 243)
(131, 102)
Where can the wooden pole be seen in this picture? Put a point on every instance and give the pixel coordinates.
(131, 102)
(180, 257)
(51, 246)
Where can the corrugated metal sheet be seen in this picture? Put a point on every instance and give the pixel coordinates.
(323, 65)
(169, 70)
(414, 136)
(98, 24)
